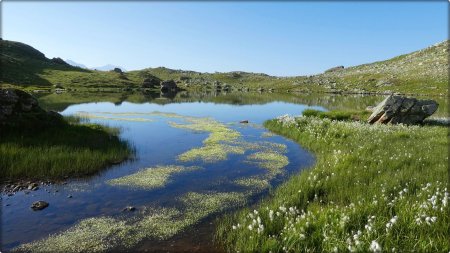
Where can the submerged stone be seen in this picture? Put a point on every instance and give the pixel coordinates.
(39, 205)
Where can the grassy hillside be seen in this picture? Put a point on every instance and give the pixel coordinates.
(421, 72)
(25, 67)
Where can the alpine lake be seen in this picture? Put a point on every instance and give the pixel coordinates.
(197, 157)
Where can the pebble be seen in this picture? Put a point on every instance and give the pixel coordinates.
(39, 205)
(129, 208)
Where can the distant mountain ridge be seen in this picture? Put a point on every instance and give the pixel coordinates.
(75, 64)
(107, 67)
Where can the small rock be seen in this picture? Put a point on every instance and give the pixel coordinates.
(129, 208)
(39, 205)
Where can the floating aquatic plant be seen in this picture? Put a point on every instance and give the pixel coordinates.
(267, 135)
(272, 161)
(200, 205)
(154, 113)
(256, 183)
(94, 116)
(216, 147)
(221, 141)
(105, 233)
(211, 153)
(150, 178)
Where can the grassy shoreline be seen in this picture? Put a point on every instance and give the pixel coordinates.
(373, 188)
(55, 152)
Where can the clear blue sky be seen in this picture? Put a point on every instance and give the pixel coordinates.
(284, 39)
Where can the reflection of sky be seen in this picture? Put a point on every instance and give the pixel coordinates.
(225, 113)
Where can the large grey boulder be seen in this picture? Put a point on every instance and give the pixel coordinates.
(402, 110)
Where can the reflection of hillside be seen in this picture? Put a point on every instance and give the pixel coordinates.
(330, 101)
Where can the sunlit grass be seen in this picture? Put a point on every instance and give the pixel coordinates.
(69, 150)
(373, 188)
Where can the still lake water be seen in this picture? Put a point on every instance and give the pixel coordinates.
(157, 143)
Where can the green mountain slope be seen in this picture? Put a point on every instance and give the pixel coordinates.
(24, 66)
(421, 72)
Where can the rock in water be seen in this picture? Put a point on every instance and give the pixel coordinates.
(39, 205)
(129, 209)
(402, 110)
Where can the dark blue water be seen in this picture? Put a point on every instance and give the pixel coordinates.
(156, 143)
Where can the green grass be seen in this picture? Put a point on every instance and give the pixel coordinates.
(372, 187)
(337, 115)
(72, 149)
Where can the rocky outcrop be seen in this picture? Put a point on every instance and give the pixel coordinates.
(168, 85)
(18, 108)
(117, 70)
(151, 82)
(402, 110)
(334, 69)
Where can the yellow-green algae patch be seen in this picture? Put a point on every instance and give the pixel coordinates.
(272, 161)
(150, 178)
(200, 205)
(154, 113)
(94, 116)
(105, 234)
(267, 135)
(256, 183)
(218, 144)
(211, 153)
(221, 141)
(262, 146)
